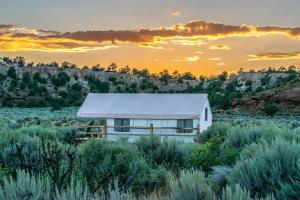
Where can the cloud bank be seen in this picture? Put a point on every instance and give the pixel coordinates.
(13, 38)
(275, 56)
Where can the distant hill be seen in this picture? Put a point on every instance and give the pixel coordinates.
(286, 97)
(51, 85)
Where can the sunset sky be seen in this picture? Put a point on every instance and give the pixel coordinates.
(201, 36)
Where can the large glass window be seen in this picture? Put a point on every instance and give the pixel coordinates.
(206, 114)
(122, 122)
(184, 123)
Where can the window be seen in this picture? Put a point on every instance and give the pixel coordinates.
(184, 123)
(206, 114)
(122, 122)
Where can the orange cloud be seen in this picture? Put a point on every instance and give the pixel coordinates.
(275, 56)
(214, 58)
(13, 38)
(219, 47)
(188, 59)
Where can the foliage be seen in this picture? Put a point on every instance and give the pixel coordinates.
(217, 129)
(61, 79)
(24, 153)
(170, 154)
(266, 168)
(11, 72)
(59, 162)
(238, 137)
(271, 109)
(25, 187)
(237, 193)
(211, 153)
(102, 162)
(192, 184)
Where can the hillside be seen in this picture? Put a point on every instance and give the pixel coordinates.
(287, 98)
(51, 85)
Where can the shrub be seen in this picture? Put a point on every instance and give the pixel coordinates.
(146, 179)
(219, 176)
(23, 154)
(102, 162)
(11, 72)
(271, 109)
(8, 101)
(237, 193)
(191, 184)
(61, 79)
(68, 135)
(212, 153)
(202, 157)
(266, 168)
(217, 129)
(76, 191)
(170, 154)
(25, 187)
(238, 137)
(59, 160)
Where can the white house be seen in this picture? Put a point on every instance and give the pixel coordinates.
(176, 116)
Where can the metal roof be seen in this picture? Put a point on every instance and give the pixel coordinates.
(142, 106)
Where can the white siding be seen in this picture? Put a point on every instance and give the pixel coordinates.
(156, 123)
(205, 124)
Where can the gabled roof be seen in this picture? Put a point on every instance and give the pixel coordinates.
(142, 106)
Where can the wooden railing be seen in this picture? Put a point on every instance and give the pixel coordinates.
(101, 131)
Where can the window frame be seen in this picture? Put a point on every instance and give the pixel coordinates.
(185, 123)
(121, 122)
(206, 114)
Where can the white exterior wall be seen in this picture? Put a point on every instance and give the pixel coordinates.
(156, 123)
(205, 124)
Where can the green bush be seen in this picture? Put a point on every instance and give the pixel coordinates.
(237, 193)
(76, 191)
(191, 185)
(217, 129)
(25, 187)
(219, 177)
(239, 137)
(103, 162)
(61, 79)
(68, 135)
(170, 154)
(23, 154)
(266, 168)
(7, 101)
(271, 109)
(11, 72)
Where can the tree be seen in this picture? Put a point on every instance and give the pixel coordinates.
(164, 76)
(271, 109)
(11, 72)
(59, 162)
(125, 70)
(20, 61)
(112, 67)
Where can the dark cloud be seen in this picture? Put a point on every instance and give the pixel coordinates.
(6, 26)
(275, 56)
(188, 31)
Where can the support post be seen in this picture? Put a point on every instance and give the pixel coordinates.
(151, 129)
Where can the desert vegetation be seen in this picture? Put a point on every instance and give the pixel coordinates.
(41, 159)
(52, 85)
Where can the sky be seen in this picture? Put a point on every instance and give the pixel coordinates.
(204, 37)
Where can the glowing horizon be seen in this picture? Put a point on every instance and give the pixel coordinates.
(189, 43)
